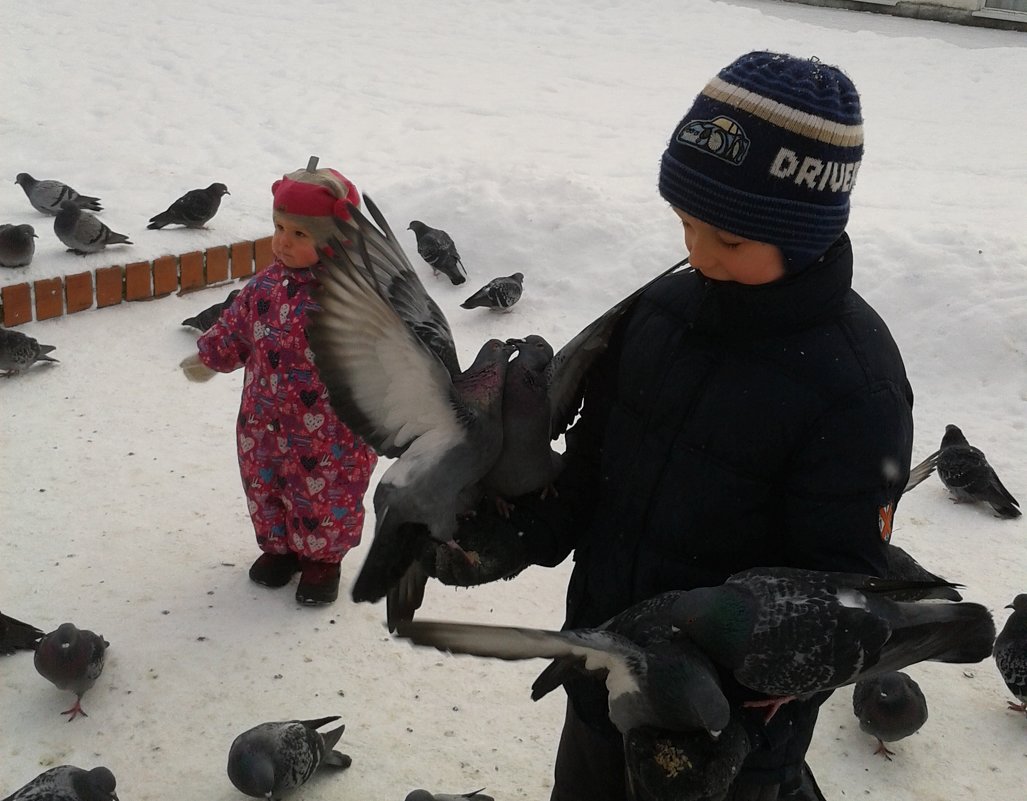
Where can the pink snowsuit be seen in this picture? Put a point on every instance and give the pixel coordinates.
(303, 471)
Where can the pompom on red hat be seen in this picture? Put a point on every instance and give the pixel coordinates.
(315, 193)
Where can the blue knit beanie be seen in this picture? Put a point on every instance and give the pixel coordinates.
(769, 151)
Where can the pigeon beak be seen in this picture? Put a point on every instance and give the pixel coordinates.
(515, 342)
(114, 795)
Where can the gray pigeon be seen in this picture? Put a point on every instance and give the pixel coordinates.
(17, 636)
(904, 567)
(68, 783)
(72, 659)
(889, 706)
(499, 294)
(424, 795)
(19, 351)
(193, 210)
(965, 471)
(272, 759)
(1011, 652)
(82, 232)
(437, 248)
(47, 196)
(921, 471)
(17, 245)
(206, 318)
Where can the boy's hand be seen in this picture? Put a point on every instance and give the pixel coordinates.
(195, 370)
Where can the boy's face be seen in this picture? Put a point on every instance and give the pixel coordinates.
(724, 256)
(292, 245)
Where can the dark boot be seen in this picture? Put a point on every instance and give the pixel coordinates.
(274, 569)
(319, 583)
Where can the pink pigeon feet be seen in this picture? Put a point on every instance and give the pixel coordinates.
(773, 704)
(75, 711)
(882, 749)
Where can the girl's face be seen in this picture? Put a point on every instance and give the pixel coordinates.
(723, 256)
(293, 246)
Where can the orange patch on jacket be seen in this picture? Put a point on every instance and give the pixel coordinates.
(885, 515)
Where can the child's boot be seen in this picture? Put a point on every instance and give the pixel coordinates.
(319, 582)
(274, 569)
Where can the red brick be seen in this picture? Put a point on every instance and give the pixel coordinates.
(262, 255)
(49, 298)
(217, 264)
(192, 270)
(165, 275)
(242, 259)
(110, 289)
(137, 281)
(78, 292)
(17, 300)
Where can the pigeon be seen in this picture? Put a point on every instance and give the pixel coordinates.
(889, 706)
(1011, 652)
(19, 351)
(903, 566)
(47, 196)
(499, 294)
(193, 210)
(921, 471)
(82, 232)
(17, 636)
(17, 245)
(206, 318)
(72, 659)
(965, 471)
(789, 633)
(68, 783)
(436, 247)
(272, 759)
(424, 795)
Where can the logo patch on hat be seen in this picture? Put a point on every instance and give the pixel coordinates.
(885, 515)
(721, 137)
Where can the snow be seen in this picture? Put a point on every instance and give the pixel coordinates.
(532, 132)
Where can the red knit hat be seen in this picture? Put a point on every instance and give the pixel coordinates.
(315, 193)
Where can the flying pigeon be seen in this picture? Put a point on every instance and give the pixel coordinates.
(499, 294)
(965, 471)
(82, 232)
(17, 636)
(436, 247)
(1011, 652)
(19, 351)
(72, 659)
(790, 633)
(193, 210)
(68, 783)
(904, 567)
(272, 759)
(424, 795)
(17, 245)
(47, 196)
(206, 318)
(889, 706)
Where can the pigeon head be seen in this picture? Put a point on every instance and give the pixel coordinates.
(419, 795)
(70, 205)
(96, 785)
(24, 179)
(717, 619)
(533, 352)
(218, 189)
(953, 436)
(1019, 604)
(67, 636)
(251, 772)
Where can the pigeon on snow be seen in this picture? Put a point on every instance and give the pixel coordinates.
(903, 566)
(193, 210)
(437, 248)
(965, 471)
(1011, 652)
(68, 783)
(424, 795)
(17, 636)
(47, 196)
(19, 351)
(274, 758)
(83, 233)
(206, 318)
(17, 245)
(499, 294)
(889, 706)
(72, 659)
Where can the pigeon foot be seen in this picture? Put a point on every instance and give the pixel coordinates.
(75, 711)
(882, 749)
(772, 704)
(1018, 707)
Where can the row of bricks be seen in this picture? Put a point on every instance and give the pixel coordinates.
(141, 280)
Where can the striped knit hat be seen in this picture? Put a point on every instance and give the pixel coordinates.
(769, 151)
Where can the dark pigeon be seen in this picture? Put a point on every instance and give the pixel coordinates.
(83, 233)
(272, 759)
(72, 659)
(17, 636)
(68, 783)
(889, 706)
(193, 210)
(965, 471)
(47, 196)
(424, 795)
(17, 245)
(19, 351)
(1011, 652)
(436, 247)
(206, 318)
(499, 294)
(904, 567)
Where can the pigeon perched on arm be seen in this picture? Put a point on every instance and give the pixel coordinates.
(17, 245)
(193, 210)
(47, 196)
(889, 706)
(72, 659)
(437, 248)
(19, 351)
(272, 759)
(206, 318)
(965, 471)
(83, 233)
(1011, 652)
(424, 795)
(499, 294)
(69, 783)
(17, 636)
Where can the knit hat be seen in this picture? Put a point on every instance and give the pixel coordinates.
(769, 151)
(311, 198)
